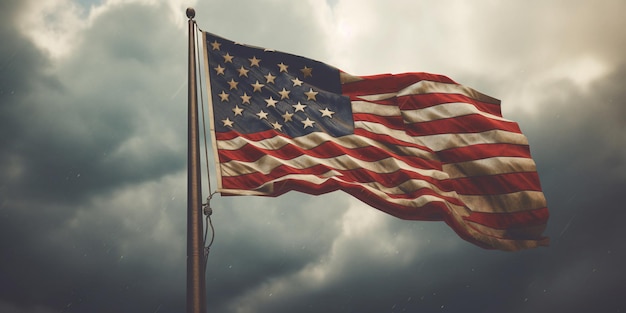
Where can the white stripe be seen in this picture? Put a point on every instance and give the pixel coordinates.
(446, 110)
(378, 97)
(375, 109)
(490, 166)
(425, 87)
(446, 141)
(409, 186)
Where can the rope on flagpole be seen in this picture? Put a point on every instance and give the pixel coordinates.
(207, 247)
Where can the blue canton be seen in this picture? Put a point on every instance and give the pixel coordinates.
(255, 90)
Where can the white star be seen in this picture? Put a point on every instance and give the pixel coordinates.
(284, 94)
(254, 61)
(257, 86)
(219, 69)
(277, 126)
(283, 67)
(262, 115)
(299, 106)
(308, 123)
(243, 72)
(270, 78)
(228, 58)
(287, 116)
(227, 122)
(327, 112)
(223, 96)
(216, 45)
(271, 102)
(307, 71)
(233, 84)
(245, 98)
(238, 110)
(297, 82)
(310, 95)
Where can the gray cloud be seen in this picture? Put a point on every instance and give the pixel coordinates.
(77, 132)
(87, 132)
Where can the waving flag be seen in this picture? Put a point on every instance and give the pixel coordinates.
(417, 146)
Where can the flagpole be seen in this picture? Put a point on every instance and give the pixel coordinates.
(196, 286)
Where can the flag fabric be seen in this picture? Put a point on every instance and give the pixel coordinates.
(417, 146)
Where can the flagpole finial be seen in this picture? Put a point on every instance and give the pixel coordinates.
(191, 13)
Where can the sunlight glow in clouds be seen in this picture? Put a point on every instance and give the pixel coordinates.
(581, 71)
(55, 26)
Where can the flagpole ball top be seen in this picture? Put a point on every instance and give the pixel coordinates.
(191, 13)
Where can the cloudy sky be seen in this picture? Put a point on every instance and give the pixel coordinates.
(93, 159)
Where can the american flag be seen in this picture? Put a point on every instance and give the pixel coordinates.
(418, 146)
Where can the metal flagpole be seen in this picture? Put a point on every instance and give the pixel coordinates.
(196, 288)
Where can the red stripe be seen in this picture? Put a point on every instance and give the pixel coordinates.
(497, 184)
(254, 136)
(391, 122)
(483, 151)
(421, 101)
(473, 123)
(387, 83)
